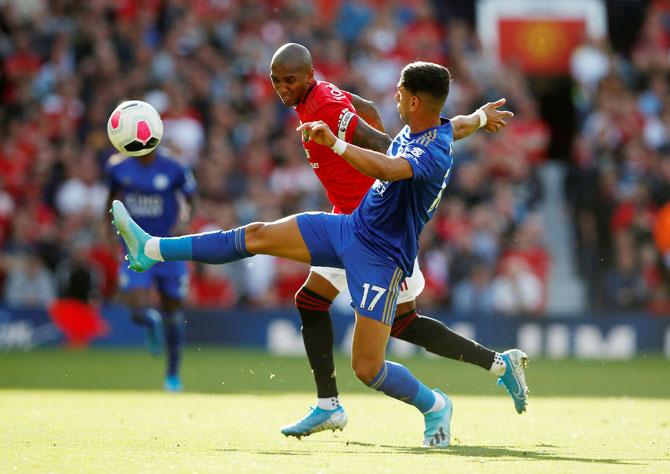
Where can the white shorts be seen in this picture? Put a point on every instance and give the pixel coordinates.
(410, 288)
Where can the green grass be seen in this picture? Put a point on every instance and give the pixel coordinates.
(102, 411)
(212, 370)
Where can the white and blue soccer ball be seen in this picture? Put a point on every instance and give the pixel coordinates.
(135, 128)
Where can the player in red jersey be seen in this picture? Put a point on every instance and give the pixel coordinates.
(356, 120)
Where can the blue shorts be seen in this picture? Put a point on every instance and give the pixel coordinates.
(373, 280)
(171, 279)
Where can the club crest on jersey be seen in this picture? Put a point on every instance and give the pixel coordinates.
(161, 182)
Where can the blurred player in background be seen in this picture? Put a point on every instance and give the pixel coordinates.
(356, 120)
(159, 193)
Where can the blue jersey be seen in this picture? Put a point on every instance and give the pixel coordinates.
(150, 192)
(393, 213)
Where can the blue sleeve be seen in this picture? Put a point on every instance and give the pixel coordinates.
(109, 177)
(418, 158)
(186, 182)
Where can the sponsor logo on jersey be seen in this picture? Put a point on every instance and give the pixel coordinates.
(343, 123)
(380, 187)
(314, 165)
(144, 205)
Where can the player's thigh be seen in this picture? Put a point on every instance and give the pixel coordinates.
(134, 286)
(326, 281)
(326, 236)
(172, 281)
(374, 284)
(411, 287)
(281, 238)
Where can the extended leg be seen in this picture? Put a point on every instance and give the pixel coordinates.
(281, 238)
(437, 338)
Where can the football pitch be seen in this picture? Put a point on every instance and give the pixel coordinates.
(103, 411)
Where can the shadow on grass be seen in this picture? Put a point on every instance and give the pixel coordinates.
(538, 452)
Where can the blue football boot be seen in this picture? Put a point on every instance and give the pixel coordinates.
(514, 378)
(438, 424)
(133, 236)
(318, 420)
(173, 384)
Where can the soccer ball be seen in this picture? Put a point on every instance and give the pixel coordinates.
(135, 128)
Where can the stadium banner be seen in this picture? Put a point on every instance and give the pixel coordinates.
(278, 331)
(539, 36)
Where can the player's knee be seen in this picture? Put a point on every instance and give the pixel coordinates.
(366, 369)
(311, 300)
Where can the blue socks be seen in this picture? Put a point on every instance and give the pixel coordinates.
(211, 247)
(397, 381)
(173, 326)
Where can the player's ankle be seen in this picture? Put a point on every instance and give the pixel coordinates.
(498, 366)
(152, 249)
(328, 403)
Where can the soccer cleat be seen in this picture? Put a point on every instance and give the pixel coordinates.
(154, 337)
(173, 384)
(514, 378)
(318, 420)
(133, 236)
(438, 424)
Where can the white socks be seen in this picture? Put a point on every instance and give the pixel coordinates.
(439, 403)
(329, 403)
(499, 366)
(152, 249)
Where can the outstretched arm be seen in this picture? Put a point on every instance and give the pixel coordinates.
(464, 125)
(370, 163)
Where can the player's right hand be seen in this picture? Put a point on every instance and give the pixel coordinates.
(317, 131)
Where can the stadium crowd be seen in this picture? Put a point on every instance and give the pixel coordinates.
(619, 182)
(205, 66)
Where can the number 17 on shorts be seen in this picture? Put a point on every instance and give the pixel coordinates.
(376, 298)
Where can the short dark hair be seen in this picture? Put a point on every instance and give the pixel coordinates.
(429, 78)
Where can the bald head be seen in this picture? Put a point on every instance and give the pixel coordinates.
(291, 73)
(294, 56)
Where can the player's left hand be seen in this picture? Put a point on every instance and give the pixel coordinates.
(495, 118)
(317, 131)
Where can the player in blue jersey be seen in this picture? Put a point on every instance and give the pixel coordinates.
(376, 244)
(153, 188)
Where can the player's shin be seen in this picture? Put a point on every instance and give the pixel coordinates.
(317, 335)
(209, 247)
(396, 381)
(173, 326)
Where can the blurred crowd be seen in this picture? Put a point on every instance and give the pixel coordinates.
(618, 187)
(204, 64)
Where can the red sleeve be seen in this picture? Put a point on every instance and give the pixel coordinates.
(341, 118)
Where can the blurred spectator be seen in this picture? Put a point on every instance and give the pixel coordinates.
(517, 290)
(28, 283)
(204, 65)
(474, 294)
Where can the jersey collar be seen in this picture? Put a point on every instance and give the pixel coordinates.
(309, 89)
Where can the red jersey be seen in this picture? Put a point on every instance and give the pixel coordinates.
(345, 186)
